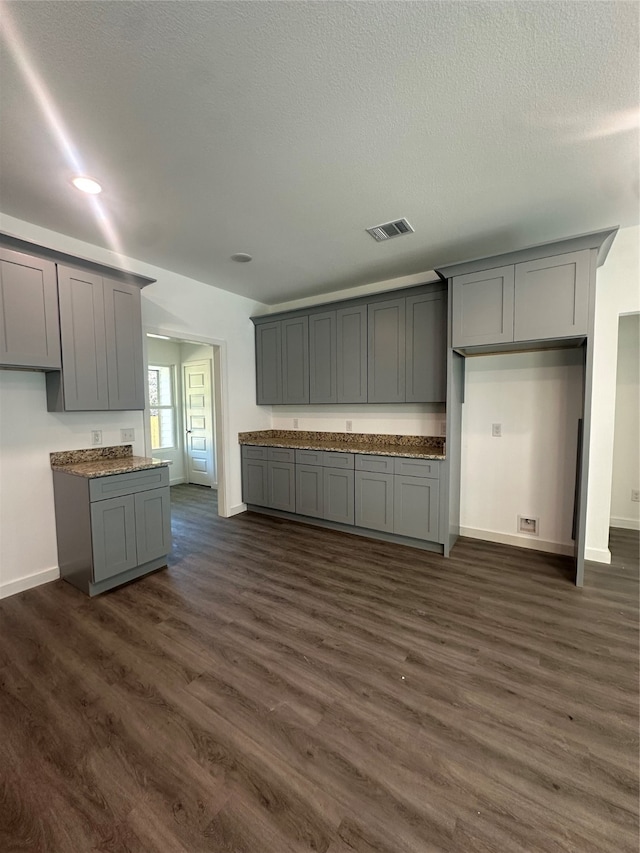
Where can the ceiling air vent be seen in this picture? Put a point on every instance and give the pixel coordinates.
(390, 229)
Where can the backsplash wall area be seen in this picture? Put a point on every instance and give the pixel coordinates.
(402, 419)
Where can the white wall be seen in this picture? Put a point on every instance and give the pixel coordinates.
(408, 419)
(168, 353)
(626, 441)
(530, 470)
(183, 308)
(617, 292)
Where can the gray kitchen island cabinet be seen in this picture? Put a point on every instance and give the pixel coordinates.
(29, 328)
(111, 529)
(101, 338)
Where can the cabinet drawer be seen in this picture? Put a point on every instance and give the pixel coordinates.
(309, 457)
(409, 467)
(374, 464)
(281, 454)
(331, 459)
(251, 452)
(116, 485)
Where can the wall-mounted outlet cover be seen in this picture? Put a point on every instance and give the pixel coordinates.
(96, 437)
(127, 435)
(527, 524)
(635, 495)
(349, 426)
(443, 428)
(496, 430)
(295, 423)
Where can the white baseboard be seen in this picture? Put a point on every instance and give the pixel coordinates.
(519, 541)
(28, 582)
(236, 510)
(597, 555)
(625, 523)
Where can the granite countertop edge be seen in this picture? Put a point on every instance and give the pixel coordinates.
(416, 451)
(108, 467)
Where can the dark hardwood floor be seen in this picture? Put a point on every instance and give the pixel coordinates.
(286, 688)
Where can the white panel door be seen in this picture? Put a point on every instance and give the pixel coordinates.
(199, 444)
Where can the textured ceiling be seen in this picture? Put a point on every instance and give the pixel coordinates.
(285, 129)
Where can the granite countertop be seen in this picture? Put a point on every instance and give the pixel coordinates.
(374, 444)
(102, 461)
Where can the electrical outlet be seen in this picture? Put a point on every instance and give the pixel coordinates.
(127, 435)
(496, 430)
(349, 426)
(635, 495)
(443, 428)
(526, 524)
(96, 437)
(295, 423)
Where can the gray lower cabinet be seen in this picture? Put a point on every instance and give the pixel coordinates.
(309, 491)
(112, 529)
(268, 477)
(29, 328)
(338, 495)
(101, 339)
(254, 481)
(416, 507)
(281, 479)
(374, 501)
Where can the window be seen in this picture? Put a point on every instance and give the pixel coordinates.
(162, 407)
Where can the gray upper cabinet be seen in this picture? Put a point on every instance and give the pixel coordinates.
(386, 352)
(552, 297)
(123, 328)
(323, 358)
(29, 329)
(83, 384)
(426, 348)
(101, 337)
(269, 363)
(351, 333)
(295, 360)
(483, 307)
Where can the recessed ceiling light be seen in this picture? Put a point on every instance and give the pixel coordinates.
(241, 257)
(86, 184)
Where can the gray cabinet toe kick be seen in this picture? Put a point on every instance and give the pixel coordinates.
(111, 529)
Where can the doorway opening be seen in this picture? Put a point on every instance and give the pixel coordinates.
(184, 421)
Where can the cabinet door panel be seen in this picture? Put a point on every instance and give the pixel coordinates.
(295, 360)
(552, 297)
(416, 507)
(374, 501)
(82, 332)
(254, 482)
(339, 495)
(123, 326)
(29, 328)
(351, 365)
(282, 486)
(483, 307)
(269, 363)
(386, 351)
(113, 532)
(322, 358)
(153, 524)
(309, 490)
(426, 348)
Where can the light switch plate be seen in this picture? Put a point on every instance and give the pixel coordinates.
(496, 430)
(96, 437)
